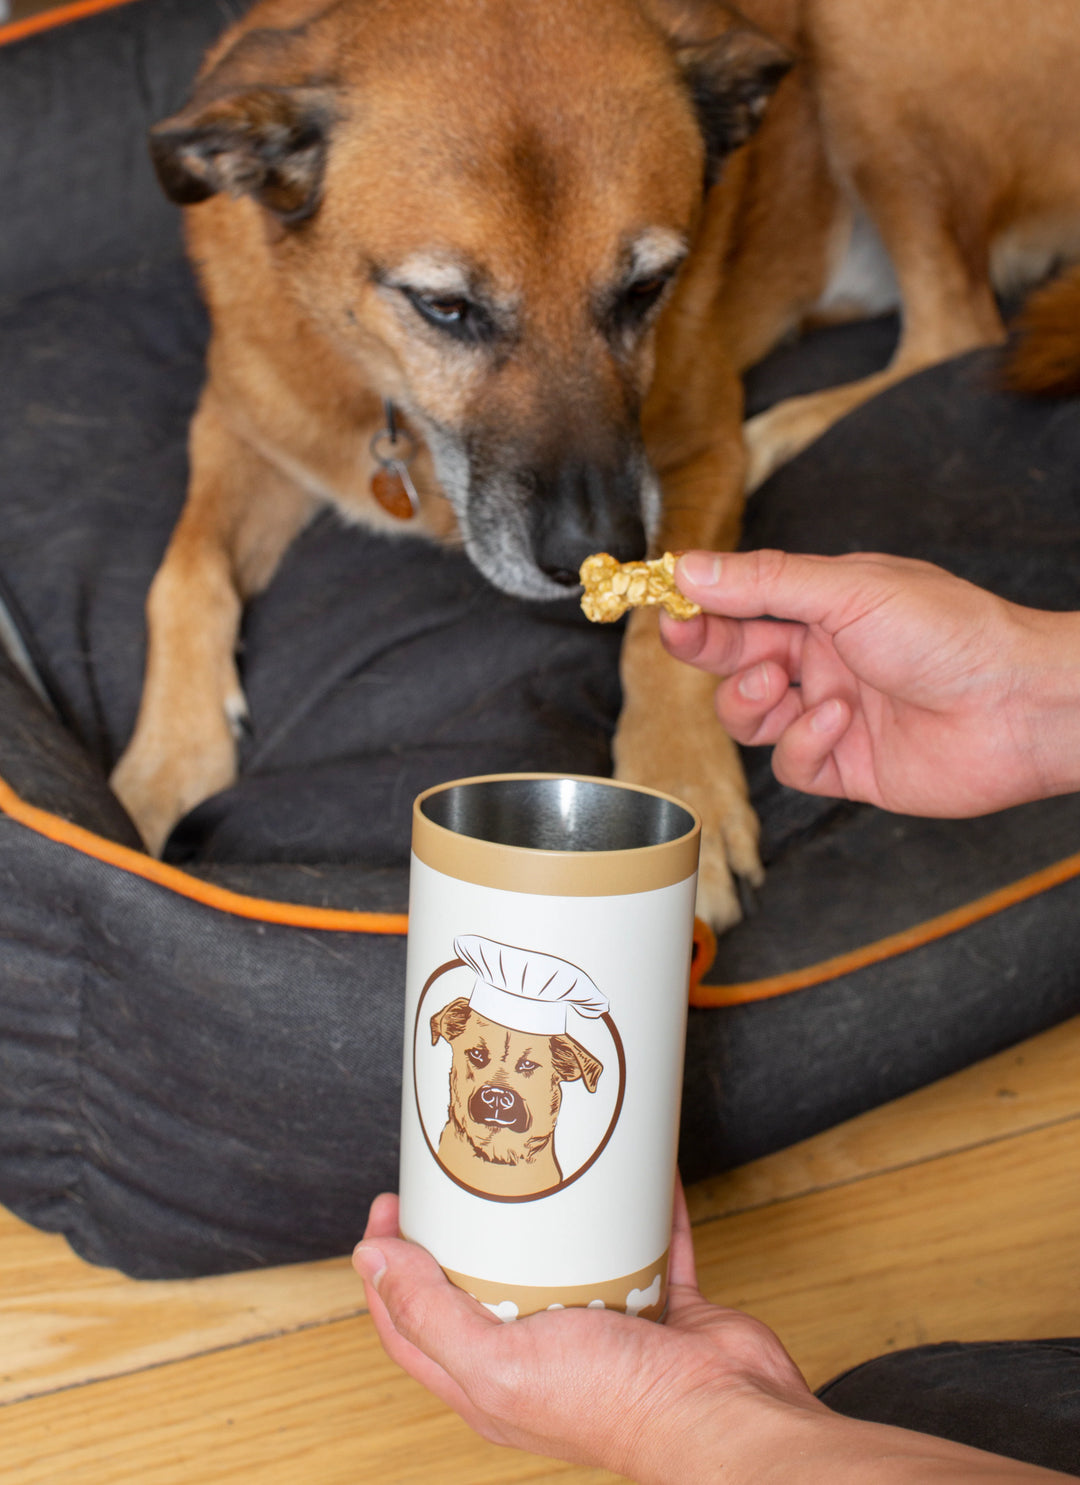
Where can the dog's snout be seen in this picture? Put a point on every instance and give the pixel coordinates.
(585, 508)
(495, 1104)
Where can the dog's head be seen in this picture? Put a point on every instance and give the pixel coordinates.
(506, 1086)
(483, 204)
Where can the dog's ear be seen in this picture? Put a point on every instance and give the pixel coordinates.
(450, 1021)
(731, 81)
(257, 125)
(731, 68)
(570, 1060)
(265, 142)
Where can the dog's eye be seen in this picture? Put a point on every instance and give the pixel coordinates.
(525, 1065)
(646, 290)
(640, 297)
(634, 304)
(478, 1056)
(444, 311)
(453, 313)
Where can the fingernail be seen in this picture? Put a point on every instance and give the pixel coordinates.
(754, 684)
(826, 718)
(702, 568)
(369, 1263)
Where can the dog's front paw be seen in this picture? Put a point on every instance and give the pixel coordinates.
(668, 738)
(730, 865)
(170, 765)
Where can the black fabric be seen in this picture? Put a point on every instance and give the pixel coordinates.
(1017, 1398)
(185, 1091)
(78, 194)
(947, 468)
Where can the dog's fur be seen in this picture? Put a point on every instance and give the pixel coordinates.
(505, 1096)
(548, 230)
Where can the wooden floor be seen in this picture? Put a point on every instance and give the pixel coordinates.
(950, 1214)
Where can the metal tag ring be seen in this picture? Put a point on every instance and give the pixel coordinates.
(400, 449)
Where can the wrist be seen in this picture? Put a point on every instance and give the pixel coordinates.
(1045, 710)
(769, 1441)
(739, 1434)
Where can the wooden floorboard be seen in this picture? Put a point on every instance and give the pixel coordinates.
(321, 1407)
(951, 1214)
(1026, 1087)
(972, 1246)
(63, 1322)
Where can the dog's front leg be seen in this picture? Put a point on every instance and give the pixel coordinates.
(240, 515)
(669, 738)
(668, 735)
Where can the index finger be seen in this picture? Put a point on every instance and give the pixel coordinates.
(723, 646)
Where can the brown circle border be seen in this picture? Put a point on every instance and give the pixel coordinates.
(549, 1190)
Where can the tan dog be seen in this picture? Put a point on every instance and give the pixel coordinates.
(505, 1096)
(491, 212)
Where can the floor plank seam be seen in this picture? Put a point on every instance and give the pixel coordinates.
(885, 1170)
(153, 1366)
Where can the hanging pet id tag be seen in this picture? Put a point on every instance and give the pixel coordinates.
(391, 484)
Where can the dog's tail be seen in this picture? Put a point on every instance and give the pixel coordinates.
(1045, 356)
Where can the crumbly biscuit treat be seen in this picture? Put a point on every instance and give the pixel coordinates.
(612, 587)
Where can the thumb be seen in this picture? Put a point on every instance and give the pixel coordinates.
(783, 585)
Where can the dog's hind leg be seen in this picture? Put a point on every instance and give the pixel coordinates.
(241, 514)
(947, 305)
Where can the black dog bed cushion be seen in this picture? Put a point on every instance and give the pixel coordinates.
(1017, 1398)
(200, 1061)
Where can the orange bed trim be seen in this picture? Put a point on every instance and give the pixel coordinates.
(262, 909)
(895, 944)
(45, 20)
(340, 920)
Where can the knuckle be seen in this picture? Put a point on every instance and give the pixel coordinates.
(770, 565)
(409, 1311)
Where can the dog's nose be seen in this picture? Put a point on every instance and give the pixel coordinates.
(494, 1104)
(584, 508)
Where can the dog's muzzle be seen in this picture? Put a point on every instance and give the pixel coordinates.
(581, 508)
(501, 1107)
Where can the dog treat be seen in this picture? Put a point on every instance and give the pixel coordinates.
(612, 587)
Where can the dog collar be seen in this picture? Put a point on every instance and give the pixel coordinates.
(391, 485)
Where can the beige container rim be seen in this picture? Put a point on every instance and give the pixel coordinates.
(555, 873)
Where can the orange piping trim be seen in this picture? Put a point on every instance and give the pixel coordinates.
(338, 920)
(704, 953)
(262, 910)
(712, 996)
(45, 21)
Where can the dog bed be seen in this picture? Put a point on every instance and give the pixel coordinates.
(200, 1058)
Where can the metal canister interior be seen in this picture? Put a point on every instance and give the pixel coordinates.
(558, 814)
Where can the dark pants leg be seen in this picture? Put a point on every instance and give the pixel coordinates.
(1017, 1398)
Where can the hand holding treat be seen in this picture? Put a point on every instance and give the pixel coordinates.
(885, 679)
(612, 587)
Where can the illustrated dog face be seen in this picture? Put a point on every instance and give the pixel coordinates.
(506, 1086)
(482, 207)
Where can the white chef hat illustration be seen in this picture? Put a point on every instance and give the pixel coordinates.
(524, 989)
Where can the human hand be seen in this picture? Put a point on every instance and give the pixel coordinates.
(659, 1403)
(886, 680)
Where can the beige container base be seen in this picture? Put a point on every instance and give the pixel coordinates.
(511, 1301)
